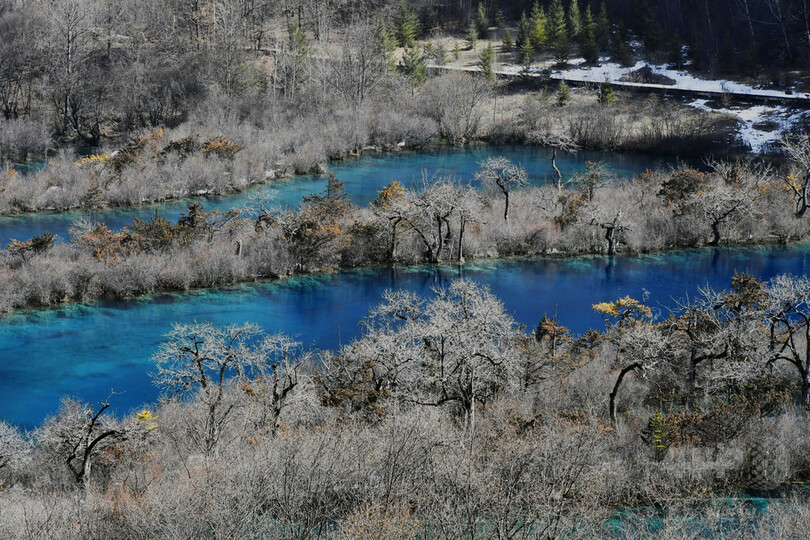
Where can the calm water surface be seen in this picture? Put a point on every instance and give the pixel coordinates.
(87, 350)
(363, 176)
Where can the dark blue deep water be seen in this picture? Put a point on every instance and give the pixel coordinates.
(364, 177)
(88, 350)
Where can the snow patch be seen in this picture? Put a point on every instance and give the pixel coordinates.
(752, 132)
(612, 72)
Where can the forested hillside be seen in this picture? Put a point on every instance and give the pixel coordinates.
(83, 70)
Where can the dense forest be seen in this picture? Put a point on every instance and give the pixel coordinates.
(742, 36)
(84, 71)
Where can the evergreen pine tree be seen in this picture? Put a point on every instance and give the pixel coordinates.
(481, 21)
(524, 32)
(388, 42)
(575, 22)
(603, 29)
(620, 46)
(563, 93)
(525, 56)
(606, 94)
(456, 51)
(508, 43)
(487, 62)
(590, 49)
(558, 32)
(407, 26)
(441, 54)
(413, 66)
(430, 50)
(472, 37)
(538, 27)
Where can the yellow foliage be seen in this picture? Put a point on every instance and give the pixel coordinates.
(93, 159)
(146, 419)
(222, 147)
(623, 307)
(393, 192)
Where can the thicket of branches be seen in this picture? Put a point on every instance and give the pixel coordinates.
(443, 221)
(443, 420)
(147, 87)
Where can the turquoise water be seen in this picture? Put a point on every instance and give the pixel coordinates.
(88, 350)
(364, 177)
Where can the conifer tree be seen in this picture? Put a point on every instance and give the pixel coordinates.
(481, 21)
(407, 25)
(508, 43)
(607, 96)
(590, 48)
(388, 41)
(526, 55)
(538, 27)
(575, 22)
(456, 51)
(486, 62)
(603, 28)
(441, 54)
(563, 93)
(619, 46)
(414, 67)
(472, 37)
(558, 32)
(524, 31)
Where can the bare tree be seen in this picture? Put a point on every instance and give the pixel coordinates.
(273, 379)
(468, 210)
(557, 141)
(723, 204)
(455, 349)
(720, 328)
(798, 150)
(788, 314)
(361, 66)
(638, 344)
(12, 444)
(200, 360)
(78, 433)
(429, 212)
(505, 175)
(455, 102)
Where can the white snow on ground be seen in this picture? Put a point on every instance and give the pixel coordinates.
(758, 138)
(612, 72)
(750, 117)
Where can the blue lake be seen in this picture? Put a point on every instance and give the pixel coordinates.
(364, 177)
(88, 350)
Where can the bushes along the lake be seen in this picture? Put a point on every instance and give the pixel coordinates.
(440, 222)
(442, 421)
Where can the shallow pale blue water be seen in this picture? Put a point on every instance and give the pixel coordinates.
(364, 177)
(88, 350)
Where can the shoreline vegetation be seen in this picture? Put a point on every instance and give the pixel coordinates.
(741, 202)
(445, 419)
(218, 155)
